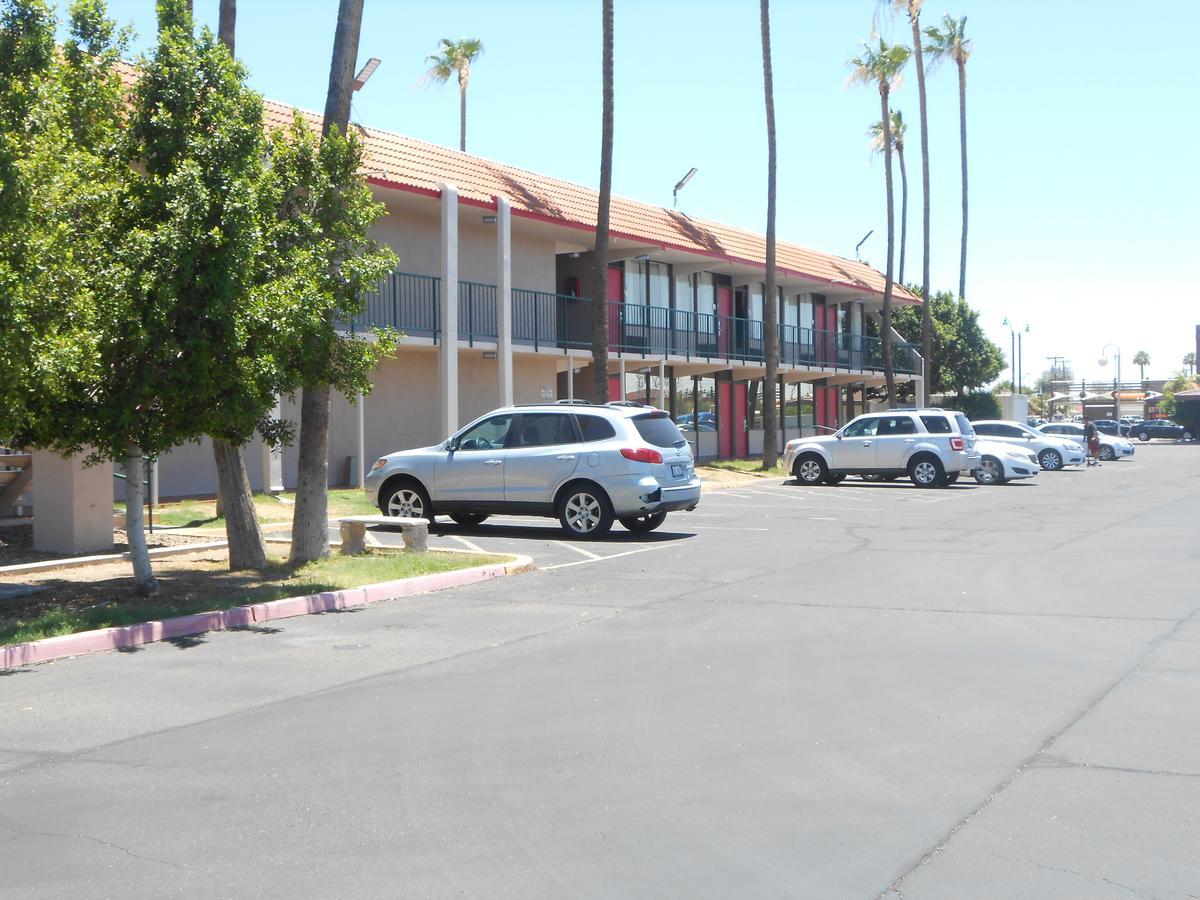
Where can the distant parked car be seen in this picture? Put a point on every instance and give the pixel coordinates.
(1161, 428)
(1110, 447)
(1000, 462)
(1053, 452)
(1077, 418)
(931, 446)
(1109, 426)
(1035, 421)
(1130, 420)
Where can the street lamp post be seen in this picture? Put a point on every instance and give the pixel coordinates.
(1015, 352)
(1117, 381)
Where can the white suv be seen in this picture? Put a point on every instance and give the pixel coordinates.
(931, 446)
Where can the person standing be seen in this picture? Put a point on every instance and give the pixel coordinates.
(1092, 435)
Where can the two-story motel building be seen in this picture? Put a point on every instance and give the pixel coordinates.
(499, 259)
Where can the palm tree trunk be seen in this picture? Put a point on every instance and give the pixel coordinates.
(889, 372)
(462, 119)
(139, 553)
(926, 312)
(310, 537)
(962, 133)
(227, 24)
(903, 212)
(600, 261)
(770, 294)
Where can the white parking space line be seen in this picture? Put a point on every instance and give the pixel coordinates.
(822, 519)
(588, 553)
(584, 562)
(474, 548)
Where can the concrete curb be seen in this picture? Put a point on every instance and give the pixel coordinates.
(104, 639)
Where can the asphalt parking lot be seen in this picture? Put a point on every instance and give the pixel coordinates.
(867, 690)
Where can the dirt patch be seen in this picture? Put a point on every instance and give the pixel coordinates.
(16, 544)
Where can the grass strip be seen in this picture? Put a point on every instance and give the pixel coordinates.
(208, 591)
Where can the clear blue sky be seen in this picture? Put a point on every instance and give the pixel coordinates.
(1084, 192)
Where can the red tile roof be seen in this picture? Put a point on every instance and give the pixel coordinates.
(405, 163)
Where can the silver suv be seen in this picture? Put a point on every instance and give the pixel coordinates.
(584, 463)
(931, 446)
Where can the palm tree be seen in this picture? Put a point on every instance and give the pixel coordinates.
(882, 66)
(1141, 359)
(310, 535)
(898, 130)
(600, 261)
(1189, 360)
(226, 23)
(912, 9)
(455, 57)
(770, 294)
(950, 41)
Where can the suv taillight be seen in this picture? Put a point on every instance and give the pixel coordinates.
(957, 443)
(642, 454)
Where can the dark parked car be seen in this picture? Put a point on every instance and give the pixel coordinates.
(1109, 426)
(1160, 428)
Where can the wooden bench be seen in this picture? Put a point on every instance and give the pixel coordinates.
(354, 532)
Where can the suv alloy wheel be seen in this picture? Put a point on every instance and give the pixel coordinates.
(926, 472)
(585, 511)
(809, 470)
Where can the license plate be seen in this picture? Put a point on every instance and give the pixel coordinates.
(678, 470)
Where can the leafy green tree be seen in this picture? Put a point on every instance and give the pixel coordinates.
(881, 66)
(1141, 359)
(1181, 381)
(950, 42)
(964, 358)
(455, 58)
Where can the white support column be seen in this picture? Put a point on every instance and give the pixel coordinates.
(448, 312)
(272, 457)
(154, 482)
(362, 442)
(504, 299)
(570, 377)
(662, 384)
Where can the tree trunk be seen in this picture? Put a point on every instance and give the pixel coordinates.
(310, 538)
(770, 294)
(227, 24)
(889, 372)
(139, 553)
(462, 119)
(241, 518)
(310, 534)
(600, 261)
(926, 313)
(903, 217)
(962, 133)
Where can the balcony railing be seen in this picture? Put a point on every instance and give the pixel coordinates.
(410, 303)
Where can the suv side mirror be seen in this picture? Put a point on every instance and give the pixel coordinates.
(452, 444)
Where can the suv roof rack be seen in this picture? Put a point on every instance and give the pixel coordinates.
(557, 403)
(629, 403)
(914, 409)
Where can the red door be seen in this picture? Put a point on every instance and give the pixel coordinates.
(739, 420)
(725, 419)
(616, 292)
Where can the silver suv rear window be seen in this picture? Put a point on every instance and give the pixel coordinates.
(658, 429)
(937, 424)
(594, 428)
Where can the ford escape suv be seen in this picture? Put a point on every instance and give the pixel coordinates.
(585, 464)
(931, 446)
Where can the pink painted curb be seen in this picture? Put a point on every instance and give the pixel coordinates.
(101, 640)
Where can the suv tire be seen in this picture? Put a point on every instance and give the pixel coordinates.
(1050, 460)
(407, 498)
(810, 470)
(584, 511)
(467, 520)
(950, 479)
(926, 472)
(643, 524)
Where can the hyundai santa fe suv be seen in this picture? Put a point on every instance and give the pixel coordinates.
(931, 446)
(585, 464)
